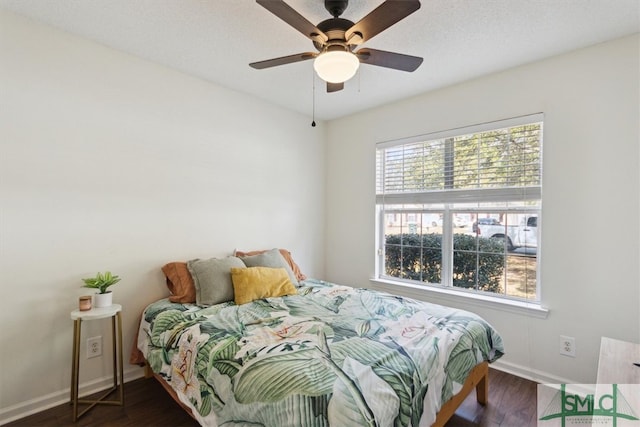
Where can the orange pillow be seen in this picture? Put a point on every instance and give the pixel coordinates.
(179, 282)
(287, 256)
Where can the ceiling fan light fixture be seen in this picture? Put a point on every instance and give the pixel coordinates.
(336, 66)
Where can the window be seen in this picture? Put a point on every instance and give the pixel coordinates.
(461, 208)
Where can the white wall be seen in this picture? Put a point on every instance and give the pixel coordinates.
(591, 192)
(109, 162)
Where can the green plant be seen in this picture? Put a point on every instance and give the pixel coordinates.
(419, 257)
(101, 281)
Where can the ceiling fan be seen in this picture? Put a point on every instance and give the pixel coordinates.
(336, 38)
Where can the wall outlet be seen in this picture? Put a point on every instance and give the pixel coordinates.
(567, 346)
(94, 347)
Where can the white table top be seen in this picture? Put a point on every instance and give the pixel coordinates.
(96, 313)
(616, 364)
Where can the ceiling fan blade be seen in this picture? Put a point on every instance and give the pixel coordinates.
(381, 18)
(283, 60)
(382, 58)
(293, 18)
(334, 87)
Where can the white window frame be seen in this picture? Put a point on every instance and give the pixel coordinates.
(446, 287)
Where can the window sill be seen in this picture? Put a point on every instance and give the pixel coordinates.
(530, 309)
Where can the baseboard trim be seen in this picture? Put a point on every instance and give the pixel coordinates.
(529, 373)
(39, 404)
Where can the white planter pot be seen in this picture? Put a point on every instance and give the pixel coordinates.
(103, 300)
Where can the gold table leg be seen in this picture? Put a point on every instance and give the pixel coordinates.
(75, 366)
(118, 368)
(121, 359)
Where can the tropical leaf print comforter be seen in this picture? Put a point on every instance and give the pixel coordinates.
(330, 356)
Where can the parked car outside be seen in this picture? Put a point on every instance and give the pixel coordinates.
(484, 221)
(522, 234)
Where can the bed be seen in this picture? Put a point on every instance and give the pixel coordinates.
(325, 355)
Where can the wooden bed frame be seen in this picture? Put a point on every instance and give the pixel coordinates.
(478, 378)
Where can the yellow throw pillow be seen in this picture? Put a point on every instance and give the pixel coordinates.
(260, 282)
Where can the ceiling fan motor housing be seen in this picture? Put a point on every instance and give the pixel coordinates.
(334, 28)
(336, 7)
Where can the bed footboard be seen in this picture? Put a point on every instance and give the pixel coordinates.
(479, 379)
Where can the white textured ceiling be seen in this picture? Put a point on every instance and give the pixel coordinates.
(217, 39)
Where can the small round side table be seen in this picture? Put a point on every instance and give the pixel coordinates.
(78, 317)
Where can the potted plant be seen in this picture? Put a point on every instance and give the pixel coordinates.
(101, 282)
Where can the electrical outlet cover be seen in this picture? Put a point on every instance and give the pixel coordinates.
(94, 347)
(567, 346)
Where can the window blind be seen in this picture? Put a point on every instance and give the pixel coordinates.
(468, 164)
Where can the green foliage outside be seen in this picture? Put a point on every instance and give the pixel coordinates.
(419, 257)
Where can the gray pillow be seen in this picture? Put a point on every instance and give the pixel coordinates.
(212, 279)
(273, 259)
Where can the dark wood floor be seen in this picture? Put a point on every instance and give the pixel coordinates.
(512, 403)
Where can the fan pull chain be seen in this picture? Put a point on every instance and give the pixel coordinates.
(313, 97)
